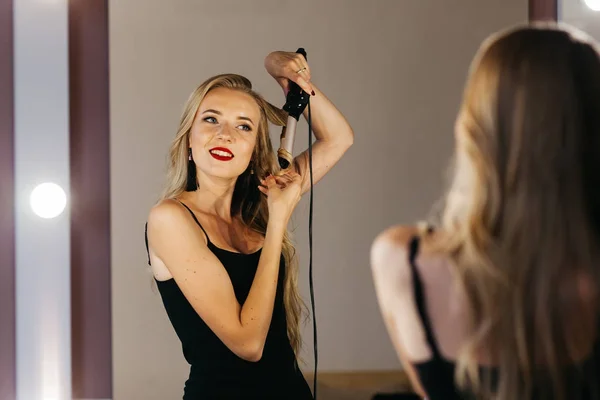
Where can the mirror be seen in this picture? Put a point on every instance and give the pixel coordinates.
(387, 66)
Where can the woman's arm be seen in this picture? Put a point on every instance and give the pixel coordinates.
(332, 131)
(179, 243)
(393, 285)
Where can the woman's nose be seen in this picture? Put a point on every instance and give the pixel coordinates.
(225, 132)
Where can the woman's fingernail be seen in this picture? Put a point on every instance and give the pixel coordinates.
(313, 92)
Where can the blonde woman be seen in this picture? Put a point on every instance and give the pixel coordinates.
(218, 242)
(501, 301)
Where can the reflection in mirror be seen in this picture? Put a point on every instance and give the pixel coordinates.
(385, 68)
(217, 239)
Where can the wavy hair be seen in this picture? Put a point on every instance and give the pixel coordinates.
(522, 216)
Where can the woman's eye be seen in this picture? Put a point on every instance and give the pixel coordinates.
(213, 120)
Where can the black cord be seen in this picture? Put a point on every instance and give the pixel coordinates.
(310, 245)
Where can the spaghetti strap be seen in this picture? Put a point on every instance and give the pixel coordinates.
(420, 297)
(193, 216)
(146, 237)
(195, 219)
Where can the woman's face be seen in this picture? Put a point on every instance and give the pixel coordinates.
(224, 132)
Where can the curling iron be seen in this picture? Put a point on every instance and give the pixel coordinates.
(295, 103)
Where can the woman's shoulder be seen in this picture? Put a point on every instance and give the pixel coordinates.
(399, 248)
(396, 241)
(168, 212)
(393, 269)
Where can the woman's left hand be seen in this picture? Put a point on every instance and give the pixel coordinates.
(283, 65)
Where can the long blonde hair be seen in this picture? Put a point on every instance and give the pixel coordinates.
(247, 203)
(522, 216)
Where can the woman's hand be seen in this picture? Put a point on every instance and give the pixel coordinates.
(283, 194)
(283, 65)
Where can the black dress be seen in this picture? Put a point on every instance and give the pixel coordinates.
(215, 371)
(437, 374)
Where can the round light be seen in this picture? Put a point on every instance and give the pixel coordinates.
(593, 4)
(48, 200)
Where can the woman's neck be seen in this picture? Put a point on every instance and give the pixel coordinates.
(214, 197)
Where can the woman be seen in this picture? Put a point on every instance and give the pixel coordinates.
(501, 300)
(218, 242)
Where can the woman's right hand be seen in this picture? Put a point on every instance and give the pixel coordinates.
(283, 194)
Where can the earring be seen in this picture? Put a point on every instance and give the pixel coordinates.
(191, 183)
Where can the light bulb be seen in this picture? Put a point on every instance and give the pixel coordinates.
(48, 200)
(593, 4)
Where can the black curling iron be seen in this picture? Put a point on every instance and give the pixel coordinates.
(295, 103)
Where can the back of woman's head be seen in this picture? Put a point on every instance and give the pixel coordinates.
(523, 213)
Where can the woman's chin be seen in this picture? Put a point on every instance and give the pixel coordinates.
(223, 174)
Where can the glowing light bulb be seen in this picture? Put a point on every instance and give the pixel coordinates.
(48, 200)
(593, 4)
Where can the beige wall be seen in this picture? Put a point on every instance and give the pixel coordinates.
(392, 67)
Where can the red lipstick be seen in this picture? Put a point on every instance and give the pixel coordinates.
(221, 153)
